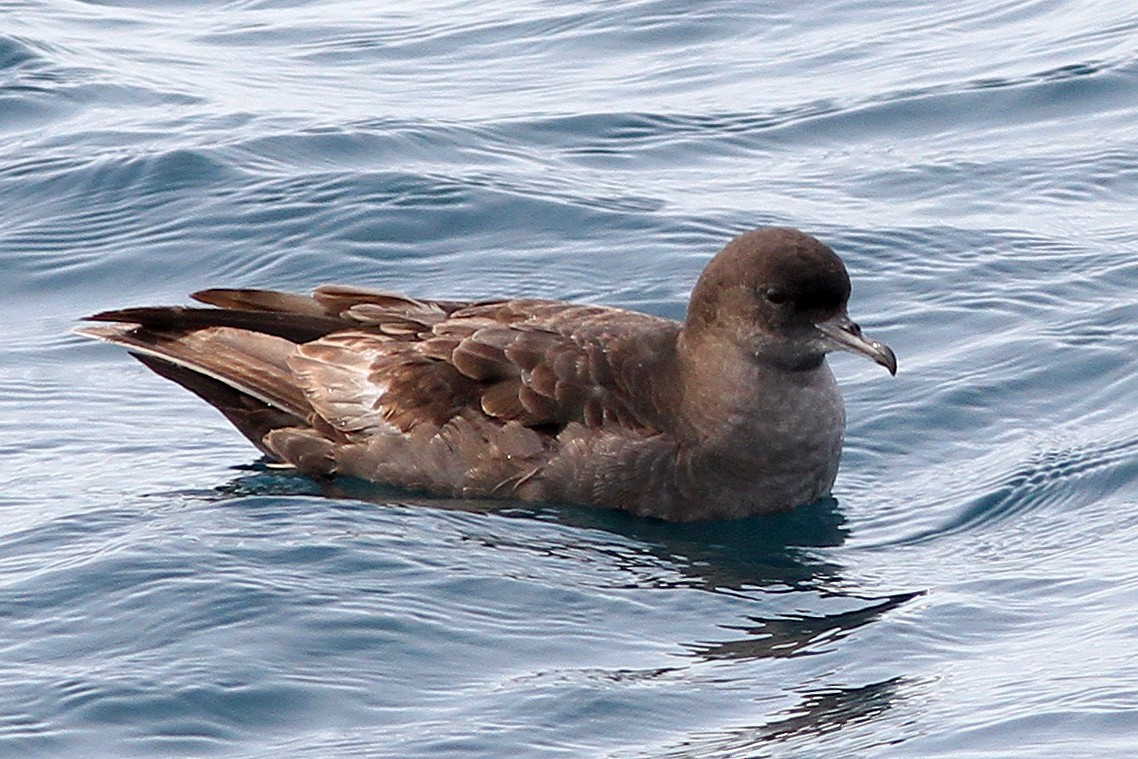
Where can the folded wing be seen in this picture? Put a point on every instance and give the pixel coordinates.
(349, 363)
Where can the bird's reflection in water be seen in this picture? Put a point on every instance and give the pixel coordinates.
(772, 553)
(777, 568)
(781, 553)
(820, 711)
(797, 633)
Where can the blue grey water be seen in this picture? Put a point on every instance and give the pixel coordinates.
(970, 591)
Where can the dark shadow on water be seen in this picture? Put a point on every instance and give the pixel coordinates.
(820, 712)
(773, 552)
(776, 553)
(780, 553)
(801, 633)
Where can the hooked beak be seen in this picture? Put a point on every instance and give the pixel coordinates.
(840, 333)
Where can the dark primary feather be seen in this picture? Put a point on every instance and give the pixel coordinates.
(291, 326)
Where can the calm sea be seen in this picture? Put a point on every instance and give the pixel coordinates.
(970, 591)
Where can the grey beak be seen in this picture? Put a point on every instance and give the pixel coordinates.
(843, 334)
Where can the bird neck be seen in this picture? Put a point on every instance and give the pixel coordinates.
(729, 394)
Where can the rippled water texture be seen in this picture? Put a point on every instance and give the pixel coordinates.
(971, 590)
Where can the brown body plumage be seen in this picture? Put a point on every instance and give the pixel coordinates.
(733, 412)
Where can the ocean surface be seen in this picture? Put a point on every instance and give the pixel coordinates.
(971, 589)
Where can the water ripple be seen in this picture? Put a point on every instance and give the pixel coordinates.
(974, 164)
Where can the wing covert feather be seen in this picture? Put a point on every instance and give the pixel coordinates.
(542, 364)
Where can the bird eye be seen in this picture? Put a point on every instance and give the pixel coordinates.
(776, 295)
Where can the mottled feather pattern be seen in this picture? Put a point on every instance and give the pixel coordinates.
(507, 359)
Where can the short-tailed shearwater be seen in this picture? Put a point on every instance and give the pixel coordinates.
(731, 413)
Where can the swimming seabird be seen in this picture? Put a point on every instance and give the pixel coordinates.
(732, 412)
